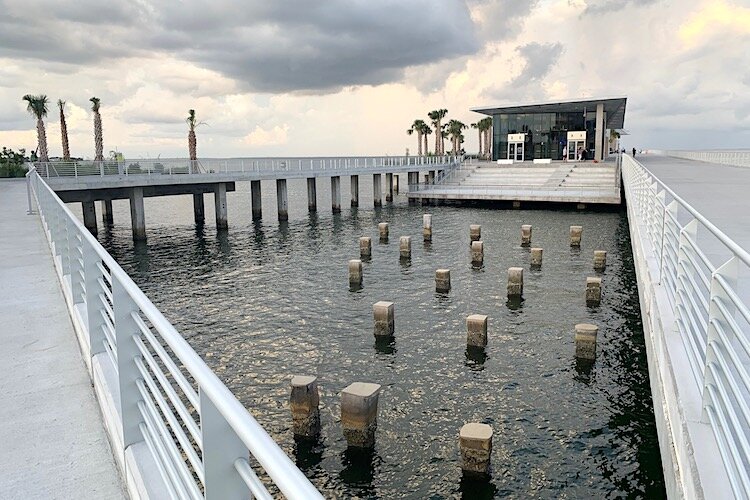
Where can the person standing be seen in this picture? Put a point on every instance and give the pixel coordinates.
(633, 152)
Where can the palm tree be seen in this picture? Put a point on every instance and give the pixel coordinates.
(418, 127)
(37, 106)
(192, 141)
(426, 130)
(454, 130)
(98, 142)
(478, 126)
(64, 130)
(437, 116)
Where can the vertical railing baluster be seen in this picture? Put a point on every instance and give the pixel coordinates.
(91, 274)
(688, 234)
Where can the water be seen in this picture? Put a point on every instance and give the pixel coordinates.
(264, 301)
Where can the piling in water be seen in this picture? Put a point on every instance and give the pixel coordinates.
(384, 316)
(365, 247)
(475, 232)
(600, 260)
(585, 338)
(427, 227)
(515, 282)
(477, 252)
(443, 280)
(304, 403)
(404, 247)
(475, 442)
(359, 414)
(575, 235)
(536, 257)
(525, 235)
(593, 291)
(355, 272)
(476, 330)
(383, 230)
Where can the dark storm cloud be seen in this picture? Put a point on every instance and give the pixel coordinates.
(502, 19)
(266, 46)
(540, 57)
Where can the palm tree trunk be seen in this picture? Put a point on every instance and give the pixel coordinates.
(64, 133)
(98, 141)
(419, 143)
(480, 143)
(437, 138)
(41, 134)
(192, 145)
(425, 145)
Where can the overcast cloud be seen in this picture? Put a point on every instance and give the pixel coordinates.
(349, 76)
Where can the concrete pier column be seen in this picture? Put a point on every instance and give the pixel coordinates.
(355, 273)
(354, 190)
(475, 442)
(312, 194)
(199, 208)
(336, 194)
(389, 187)
(137, 214)
(600, 260)
(525, 235)
(255, 199)
(515, 282)
(427, 227)
(475, 232)
(107, 216)
(220, 201)
(412, 179)
(359, 414)
(282, 199)
(536, 257)
(476, 330)
(383, 314)
(404, 247)
(304, 403)
(593, 291)
(395, 183)
(443, 280)
(575, 235)
(383, 230)
(585, 338)
(365, 247)
(89, 216)
(377, 190)
(477, 252)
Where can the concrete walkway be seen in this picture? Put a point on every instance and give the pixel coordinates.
(52, 442)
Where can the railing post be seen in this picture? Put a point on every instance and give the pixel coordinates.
(127, 372)
(729, 271)
(688, 235)
(30, 211)
(91, 274)
(76, 268)
(661, 198)
(221, 448)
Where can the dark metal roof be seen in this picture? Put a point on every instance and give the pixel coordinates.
(614, 107)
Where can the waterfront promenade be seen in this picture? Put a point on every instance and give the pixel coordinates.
(53, 441)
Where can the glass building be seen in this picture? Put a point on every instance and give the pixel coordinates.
(554, 130)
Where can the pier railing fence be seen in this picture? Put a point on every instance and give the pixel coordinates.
(204, 442)
(704, 275)
(740, 158)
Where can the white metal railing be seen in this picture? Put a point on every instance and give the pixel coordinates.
(700, 269)
(739, 158)
(181, 166)
(200, 435)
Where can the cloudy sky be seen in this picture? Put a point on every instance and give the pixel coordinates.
(339, 77)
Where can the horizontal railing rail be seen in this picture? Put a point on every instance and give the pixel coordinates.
(203, 440)
(700, 269)
(183, 166)
(739, 158)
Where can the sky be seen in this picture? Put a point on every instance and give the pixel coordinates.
(348, 77)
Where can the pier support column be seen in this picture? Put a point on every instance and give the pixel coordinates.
(365, 247)
(383, 314)
(395, 183)
(359, 414)
(515, 282)
(220, 200)
(427, 227)
(475, 232)
(355, 190)
(383, 230)
(475, 442)
(600, 260)
(89, 216)
(355, 273)
(255, 199)
(413, 182)
(404, 247)
(312, 194)
(575, 235)
(304, 403)
(443, 280)
(282, 199)
(336, 194)
(593, 291)
(525, 235)
(536, 258)
(388, 187)
(586, 341)
(476, 330)
(137, 214)
(377, 190)
(107, 216)
(477, 252)
(199, 209)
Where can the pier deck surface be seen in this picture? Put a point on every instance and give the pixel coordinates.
(53, 441)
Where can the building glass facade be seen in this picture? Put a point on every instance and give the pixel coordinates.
(546, 133)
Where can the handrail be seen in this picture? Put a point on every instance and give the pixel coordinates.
(738, 158)
(227, 430)
(712, 320)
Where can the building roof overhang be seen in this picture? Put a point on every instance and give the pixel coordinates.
(614, 107)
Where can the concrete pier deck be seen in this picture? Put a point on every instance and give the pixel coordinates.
(53, 442)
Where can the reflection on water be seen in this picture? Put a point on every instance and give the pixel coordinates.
(263, 301)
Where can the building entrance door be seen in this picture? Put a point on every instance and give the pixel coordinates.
(516, 146)
(576, 142)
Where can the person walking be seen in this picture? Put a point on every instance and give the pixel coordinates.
(633, 152)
